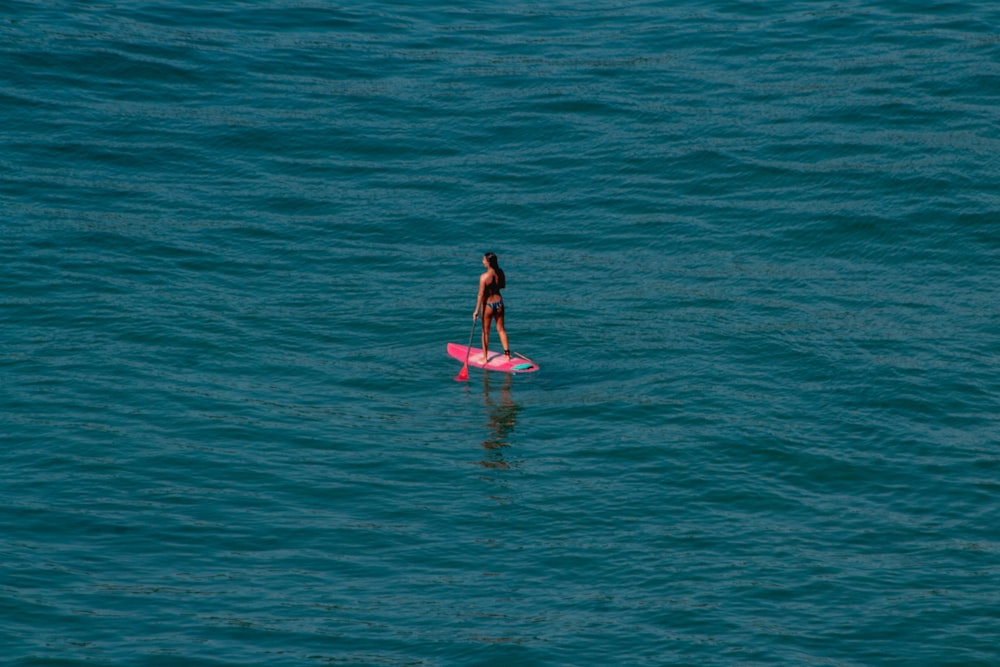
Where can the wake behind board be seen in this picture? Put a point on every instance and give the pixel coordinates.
(497, 360)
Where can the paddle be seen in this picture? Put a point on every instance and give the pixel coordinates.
(463, 374)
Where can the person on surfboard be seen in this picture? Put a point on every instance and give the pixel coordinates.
(491, 303)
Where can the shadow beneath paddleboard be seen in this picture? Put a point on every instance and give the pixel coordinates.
(501, 412)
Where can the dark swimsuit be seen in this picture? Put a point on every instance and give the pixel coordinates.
(491, 290)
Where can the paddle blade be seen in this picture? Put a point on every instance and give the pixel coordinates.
(463, 374)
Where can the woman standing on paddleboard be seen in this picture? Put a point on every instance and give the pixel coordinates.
(491, 303)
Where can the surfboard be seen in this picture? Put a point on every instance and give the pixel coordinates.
(497, 360)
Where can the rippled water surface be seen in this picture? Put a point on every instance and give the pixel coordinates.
(753, 246)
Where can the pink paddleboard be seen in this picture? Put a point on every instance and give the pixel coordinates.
(496, 362)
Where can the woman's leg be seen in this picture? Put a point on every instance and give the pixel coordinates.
(501, 330)
(487, 318)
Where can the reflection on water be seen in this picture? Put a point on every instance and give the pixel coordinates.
(501, 412)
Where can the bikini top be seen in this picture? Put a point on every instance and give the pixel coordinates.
(492, 287)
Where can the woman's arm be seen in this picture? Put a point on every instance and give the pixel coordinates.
(483, 279)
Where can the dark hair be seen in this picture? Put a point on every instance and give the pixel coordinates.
(491, 258)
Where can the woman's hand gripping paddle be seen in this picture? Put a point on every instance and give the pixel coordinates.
(463, 374)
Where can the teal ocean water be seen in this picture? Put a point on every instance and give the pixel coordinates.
(754, 247)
